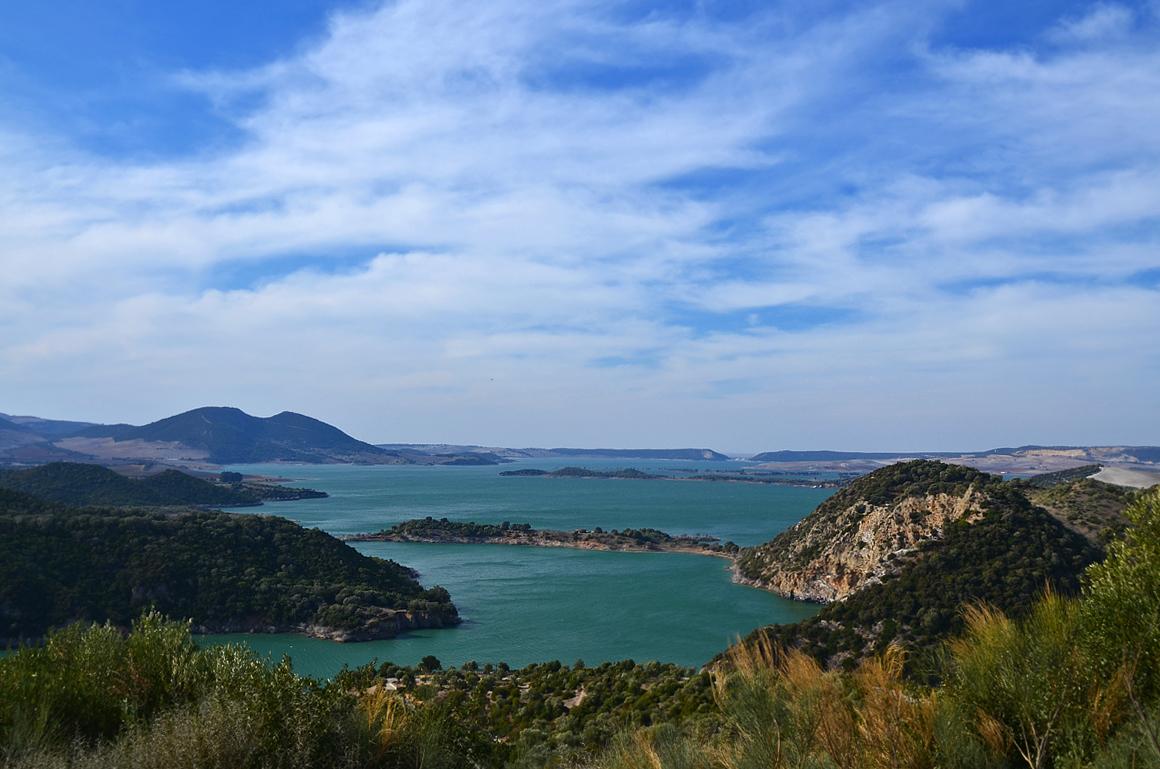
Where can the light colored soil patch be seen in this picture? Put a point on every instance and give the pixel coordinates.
(1122, 476)
(107, 448)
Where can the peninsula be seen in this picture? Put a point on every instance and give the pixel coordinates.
(443, 531)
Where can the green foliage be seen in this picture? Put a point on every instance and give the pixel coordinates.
(73, 483)
(1035, 692)
(921, 477)
(549, 713)
(430, 529)
(1058, 478)
(1061, 684)
(1137, 746)
(228, 572)
(424, 528)
(1121, 610)
(93, 698)
(1006, 560)
(1092, 508)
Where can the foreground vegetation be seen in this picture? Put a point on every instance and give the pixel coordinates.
(1074, 683)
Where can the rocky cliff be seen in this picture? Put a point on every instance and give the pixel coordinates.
(861, 534)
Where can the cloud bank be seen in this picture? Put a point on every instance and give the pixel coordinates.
(579, 223)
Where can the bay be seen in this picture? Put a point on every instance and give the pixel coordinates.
(523, 604)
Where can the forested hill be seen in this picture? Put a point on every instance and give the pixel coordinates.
(72, 483)
(1006, 560)
(929, 539)
(853, 538)
(228, 573)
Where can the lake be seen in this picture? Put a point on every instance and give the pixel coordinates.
(523, 604)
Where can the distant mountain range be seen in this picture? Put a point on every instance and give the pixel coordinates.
(218, 435)
(1120, 453)
(209, 435)
(688, 455)
(1132, 465)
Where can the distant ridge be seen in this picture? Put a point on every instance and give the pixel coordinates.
(688, 455)
(47, 428)
(1076, 455)
(211, 434)
(229, 435)
(842, 456)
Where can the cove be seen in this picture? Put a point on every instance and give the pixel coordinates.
(524, 604)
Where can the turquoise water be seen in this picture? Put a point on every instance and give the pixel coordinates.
(524, 604)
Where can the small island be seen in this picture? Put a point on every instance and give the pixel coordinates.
(443, 531)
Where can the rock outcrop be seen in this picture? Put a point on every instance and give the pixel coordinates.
(860, 535)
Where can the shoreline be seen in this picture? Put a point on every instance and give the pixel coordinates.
(542, 543)
(719, 551)
(443, 531)
(431, 531)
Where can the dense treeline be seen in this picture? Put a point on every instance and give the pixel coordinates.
(424, 527)
(1006, 559)
(1047, 480)
(906, 479)
(73, 483)
(59, 564)
(431, 529)
(1074, 684)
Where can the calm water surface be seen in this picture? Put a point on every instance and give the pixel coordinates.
(524, 604)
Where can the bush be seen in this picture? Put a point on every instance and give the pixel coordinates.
(1034, 691)
(1121, 607)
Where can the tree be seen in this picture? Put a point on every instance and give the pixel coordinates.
(1121, 607)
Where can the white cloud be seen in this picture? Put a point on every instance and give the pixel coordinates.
(1106, 20)
(498, 253)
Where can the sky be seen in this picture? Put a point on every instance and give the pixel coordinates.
(744, 225)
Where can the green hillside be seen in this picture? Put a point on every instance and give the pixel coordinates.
(225, 572)
(73, 483)
(1006, 560)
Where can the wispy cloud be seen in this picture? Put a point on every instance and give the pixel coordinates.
(487, 202)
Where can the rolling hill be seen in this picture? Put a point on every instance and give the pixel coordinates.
(226, 435)
(226, 573)
(72, 483)
(899, 552)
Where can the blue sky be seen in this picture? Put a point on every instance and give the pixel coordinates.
(745, 225)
